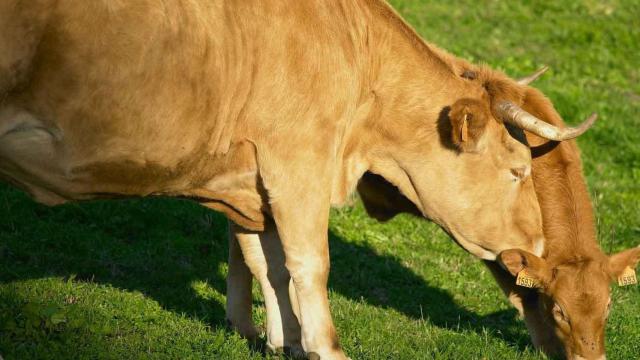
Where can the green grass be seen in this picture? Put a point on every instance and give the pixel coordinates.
(145, 278)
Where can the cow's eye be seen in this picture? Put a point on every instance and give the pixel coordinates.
(559, 314)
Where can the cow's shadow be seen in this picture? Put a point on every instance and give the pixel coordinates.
(162, 247)
(358, 272)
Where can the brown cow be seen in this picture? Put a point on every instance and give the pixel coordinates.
(269, 111)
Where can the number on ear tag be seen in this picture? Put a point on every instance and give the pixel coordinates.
(526, 280)
(628, 277)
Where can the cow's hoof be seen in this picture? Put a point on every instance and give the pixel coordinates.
(246, 331)
(314, 356)
(294, 352)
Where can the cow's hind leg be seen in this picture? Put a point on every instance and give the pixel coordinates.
(263, 255)
(239, 283)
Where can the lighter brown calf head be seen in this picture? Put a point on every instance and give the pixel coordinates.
(574, 295)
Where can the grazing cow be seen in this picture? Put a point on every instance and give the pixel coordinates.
(268, 111)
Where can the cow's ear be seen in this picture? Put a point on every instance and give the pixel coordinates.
(622, 266)
(529, 269)
(469, 120)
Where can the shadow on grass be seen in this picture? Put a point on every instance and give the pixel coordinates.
(162, 247)
(357, 272)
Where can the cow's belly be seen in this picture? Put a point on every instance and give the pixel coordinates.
(55, 164)
(37, 158)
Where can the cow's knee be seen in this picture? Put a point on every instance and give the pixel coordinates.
(308, 274)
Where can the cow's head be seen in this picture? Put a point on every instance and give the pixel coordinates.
(465, 163)
(574, 296)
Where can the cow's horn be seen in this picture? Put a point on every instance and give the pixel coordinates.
(514, 115)
(531, 78)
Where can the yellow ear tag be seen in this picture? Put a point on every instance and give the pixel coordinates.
(464, 131)
(628, 277)
(526, 280)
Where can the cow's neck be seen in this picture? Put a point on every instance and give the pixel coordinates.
(411, 83)
(402, 81)
(401, 61)
(567, 213)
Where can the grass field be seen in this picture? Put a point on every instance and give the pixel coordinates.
(145, 278)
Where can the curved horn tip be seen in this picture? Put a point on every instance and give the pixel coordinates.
(515, 115)
(531, 78)
(590, 120)
(572, 133)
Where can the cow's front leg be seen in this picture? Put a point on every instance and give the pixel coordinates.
(297, 177)
(526, 301)
(263, 254)
(305, 243)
